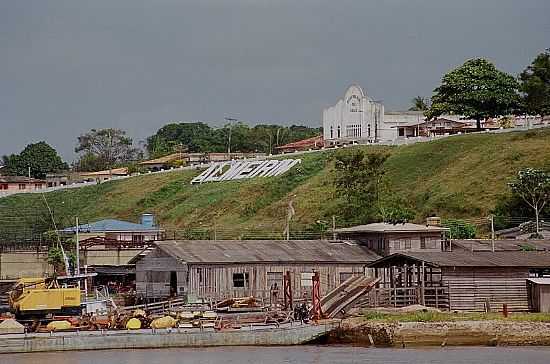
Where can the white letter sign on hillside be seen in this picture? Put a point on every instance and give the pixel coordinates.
(234, 170)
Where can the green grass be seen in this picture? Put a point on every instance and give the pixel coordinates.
(462, 176)
(431, 316)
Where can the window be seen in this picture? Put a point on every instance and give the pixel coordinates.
(407, 243)
(306, 279)
(396, 245)
(331, 132)
(428, 243)
(338, 132)
(22, 186)
(37, 186)
(368, 130)
(4, 186)
(240, 280)
(401, 131)
(137, 238)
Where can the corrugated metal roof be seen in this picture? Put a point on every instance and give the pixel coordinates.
(469, 259)
(541, 281)
(20, 179)
(382, 227)
(262, 251)
(109, 225)
(501, 245)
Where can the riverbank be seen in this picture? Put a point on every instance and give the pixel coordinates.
(390, 333)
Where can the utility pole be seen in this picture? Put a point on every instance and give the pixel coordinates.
(77, 249)
(230, 120)
(492, 217)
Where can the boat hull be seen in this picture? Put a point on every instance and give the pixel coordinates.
(175, 338)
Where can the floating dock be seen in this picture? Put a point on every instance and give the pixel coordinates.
(295, 334)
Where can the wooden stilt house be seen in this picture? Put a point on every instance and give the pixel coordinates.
(464, 281)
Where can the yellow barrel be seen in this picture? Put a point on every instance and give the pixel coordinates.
(133, 324)
(163, 323)
(59, 325)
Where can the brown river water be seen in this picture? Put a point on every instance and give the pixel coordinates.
(291, 355)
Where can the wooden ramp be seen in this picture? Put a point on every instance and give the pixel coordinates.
(337, 301)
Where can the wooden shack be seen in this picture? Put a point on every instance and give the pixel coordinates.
(221, 269)
(460, 280)
(539, 294)
(386, 238)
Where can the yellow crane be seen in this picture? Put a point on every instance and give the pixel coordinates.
(39, 297)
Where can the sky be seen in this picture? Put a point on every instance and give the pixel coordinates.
(69, 66)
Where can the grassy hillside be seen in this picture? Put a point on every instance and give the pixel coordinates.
(462, 176)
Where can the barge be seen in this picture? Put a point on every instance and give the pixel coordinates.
(287, 334)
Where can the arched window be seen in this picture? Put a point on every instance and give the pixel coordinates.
(331, 132)
(338, 132)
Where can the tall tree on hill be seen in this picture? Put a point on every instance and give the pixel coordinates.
(476, 90)
(358, 181)
(533, 186)
(419, 103)
(535, 85)
(40, 157)
(107, 147)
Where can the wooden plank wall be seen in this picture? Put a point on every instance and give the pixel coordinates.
(217, 280)
(153, 275)
(469, 288)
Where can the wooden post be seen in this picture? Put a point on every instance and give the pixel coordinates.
(505, 309)
(316, 297)
(423, 301)
(287, 294)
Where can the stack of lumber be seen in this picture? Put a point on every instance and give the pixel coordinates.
(241, 304)
(337, 301)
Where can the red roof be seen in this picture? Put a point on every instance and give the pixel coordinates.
(304, 144)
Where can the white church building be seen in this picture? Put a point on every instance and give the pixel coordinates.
(358, 118)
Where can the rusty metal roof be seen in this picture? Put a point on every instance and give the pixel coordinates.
(501, 245)
(383, 227)
(267, 251)
(534, 259)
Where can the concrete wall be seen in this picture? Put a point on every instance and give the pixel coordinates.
(15, 265)
(19, 264)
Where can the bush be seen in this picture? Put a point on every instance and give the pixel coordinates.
(460, 229)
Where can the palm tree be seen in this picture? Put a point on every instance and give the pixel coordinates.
(419, 103)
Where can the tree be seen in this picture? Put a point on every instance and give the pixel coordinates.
(419, 103)
(460, 229)
(476, 90)
(109, 146)
(358, 180)
(396, 213)
(535, 85)
(199, 137)
(40, 157)
(533, 186)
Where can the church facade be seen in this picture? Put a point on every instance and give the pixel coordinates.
(354, 118)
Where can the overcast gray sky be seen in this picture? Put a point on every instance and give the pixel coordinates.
(69, 66)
